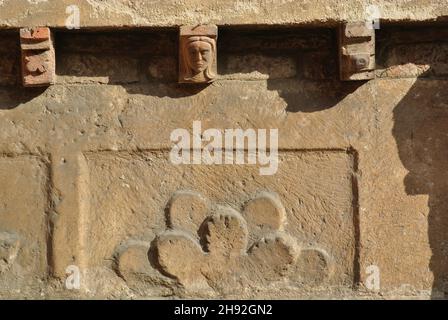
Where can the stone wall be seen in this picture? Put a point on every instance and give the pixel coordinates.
(87, 181)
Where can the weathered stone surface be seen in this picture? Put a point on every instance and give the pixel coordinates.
(225, 234)
(314, 267)
(271, 258)
(76, 68)
(172, 246)
(246, 67)
(23, 224)
(38, 57)
(187, 210)
(223, 237)
(409, 204)
(9, 248)
(225, 262)
(265, 213)
(412, 53)
(87, 179)
(97, 13)
(356, 51)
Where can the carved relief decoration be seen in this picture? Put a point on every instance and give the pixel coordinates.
(356, 51)
(38, 57)
(197, 54)
(209, 246)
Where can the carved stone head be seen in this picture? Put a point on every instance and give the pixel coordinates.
(197, 61)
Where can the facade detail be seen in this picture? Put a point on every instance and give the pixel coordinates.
(38, 57)
(356, 51)
(197, 54)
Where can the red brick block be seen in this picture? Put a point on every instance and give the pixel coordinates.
(38, 57)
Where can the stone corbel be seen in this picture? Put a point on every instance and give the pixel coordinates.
(356, 51)
(38, 57)
(197, 54)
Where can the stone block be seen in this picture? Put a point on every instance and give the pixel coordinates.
(24, 224)
(38, 57)
(227, 221)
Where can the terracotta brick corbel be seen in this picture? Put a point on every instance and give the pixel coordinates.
(38, 57)
(356, 51)
(197, 54)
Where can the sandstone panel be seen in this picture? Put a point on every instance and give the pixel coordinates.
(313, 191)
(120, 13)
(24, 229)
(360, 186)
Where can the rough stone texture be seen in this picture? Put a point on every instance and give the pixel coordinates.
(356, 51)
(127, 13)
(38, 57)
(86, 177)
(223, 232)
(24, 215)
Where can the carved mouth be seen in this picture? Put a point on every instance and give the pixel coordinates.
(199, 65)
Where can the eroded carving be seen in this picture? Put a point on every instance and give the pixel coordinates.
(38, 57)
(197, 54)
(356, 51)
(187, 210)
(9, 249)
(233, 248)
(316, 267)
(264, 213)
(214, 247)
(133, 264)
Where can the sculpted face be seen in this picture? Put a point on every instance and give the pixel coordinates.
(199, 55)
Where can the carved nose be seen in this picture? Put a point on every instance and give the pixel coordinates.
(198, 56)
